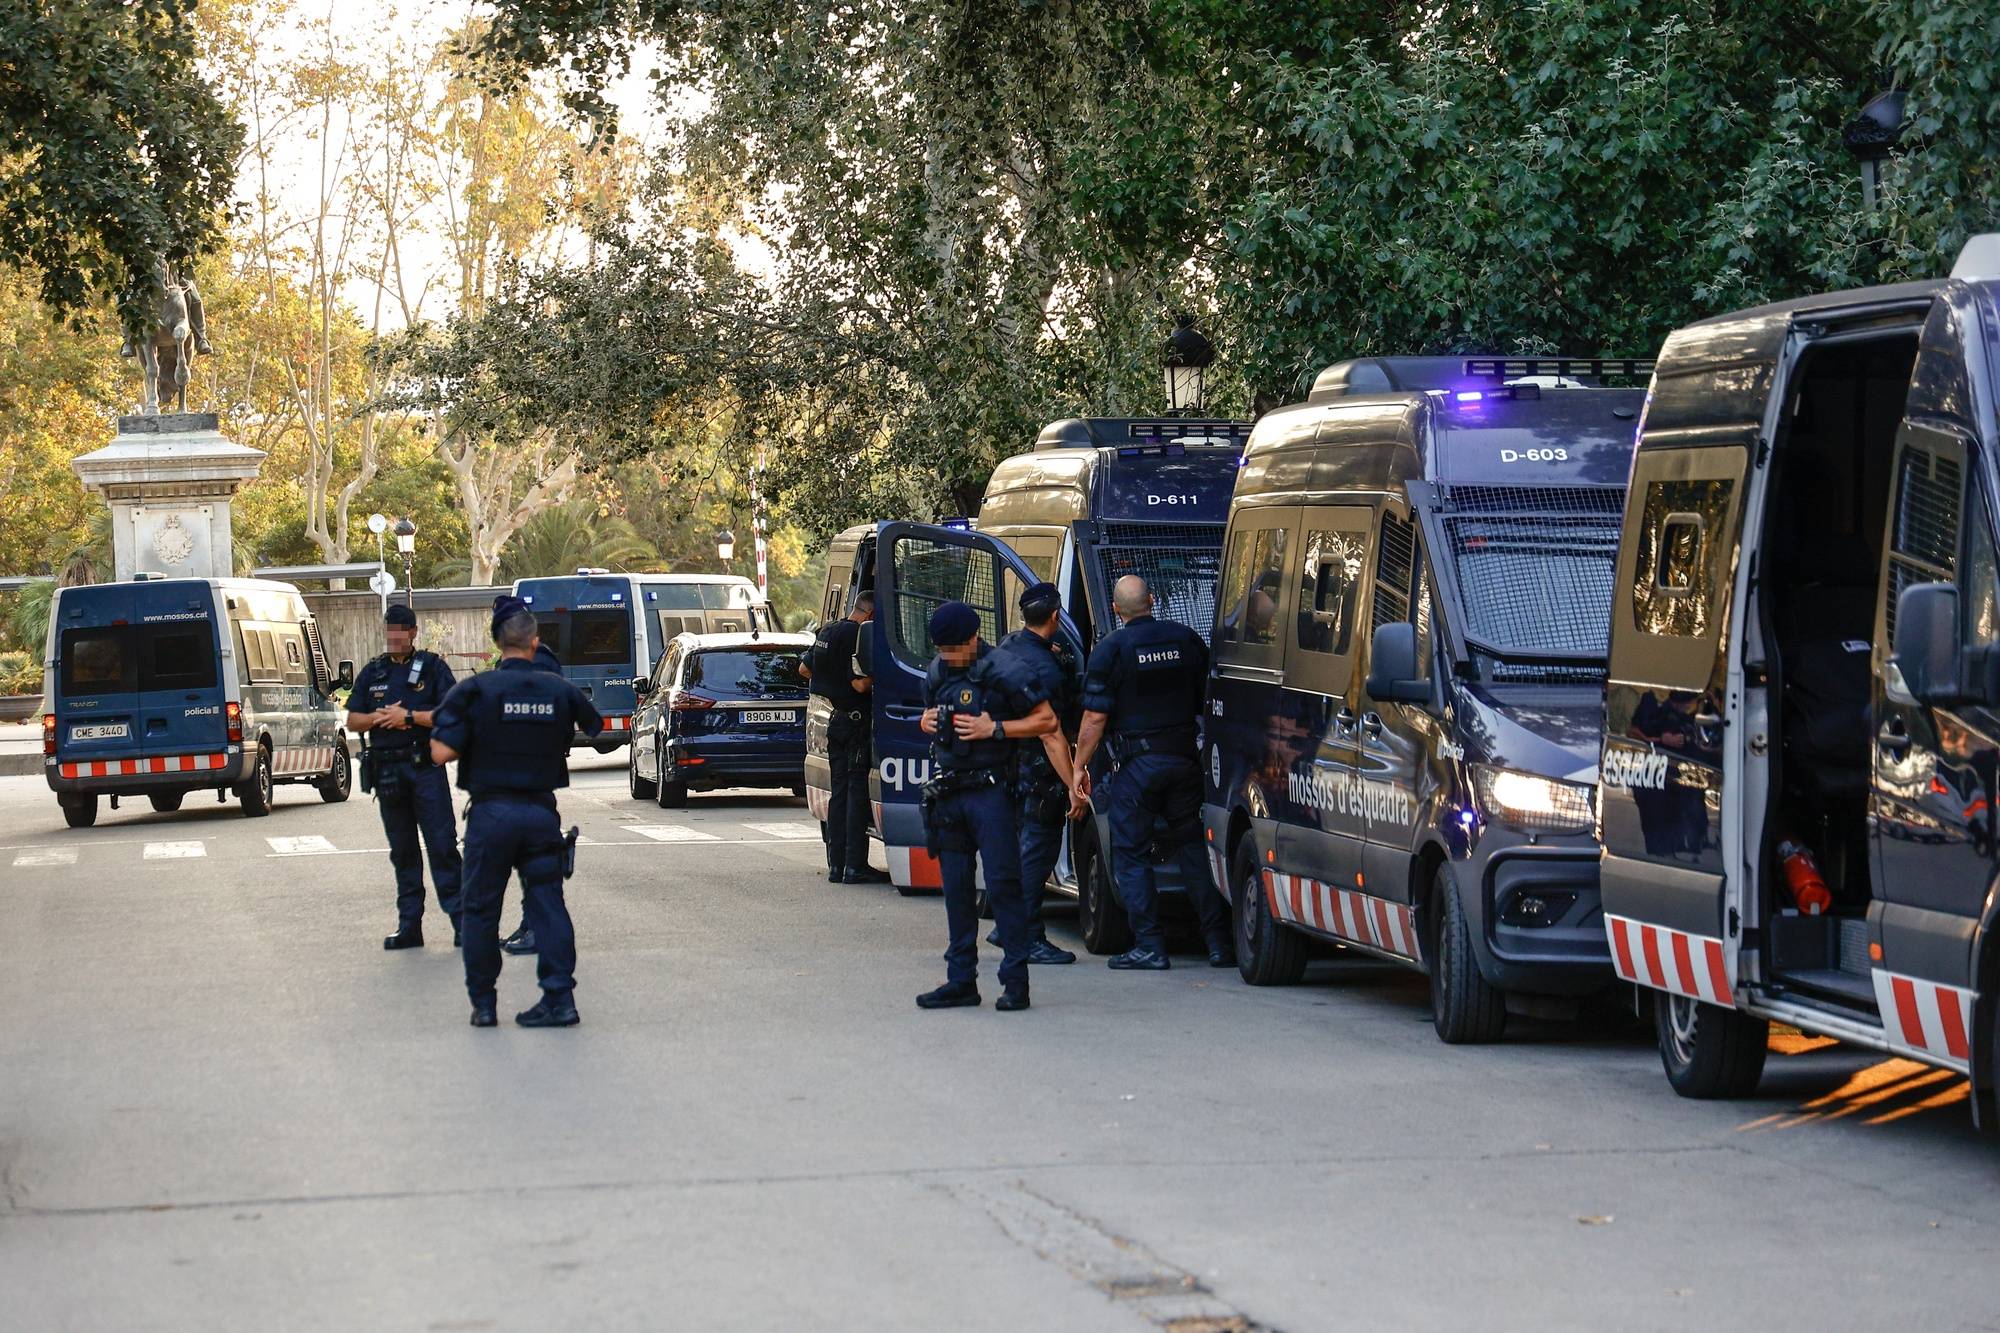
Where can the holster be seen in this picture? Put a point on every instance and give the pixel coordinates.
(368, 761)
(946, 828)
(569, 851)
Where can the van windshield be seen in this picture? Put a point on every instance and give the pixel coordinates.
(122, 659)
(1534, 571)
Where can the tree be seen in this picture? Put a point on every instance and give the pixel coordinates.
(114, 152)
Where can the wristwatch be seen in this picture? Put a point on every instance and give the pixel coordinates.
(1000, 729)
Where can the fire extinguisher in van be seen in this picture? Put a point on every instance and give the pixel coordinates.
(1809, 892)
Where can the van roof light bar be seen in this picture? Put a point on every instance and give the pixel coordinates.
(1521, 367)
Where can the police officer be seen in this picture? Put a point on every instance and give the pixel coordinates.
(1144, 687)
(509, 729)
(1043, 804)
(832, 672)
(522, 941)
(392, 704)
(976, 703)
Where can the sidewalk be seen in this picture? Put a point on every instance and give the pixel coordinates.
(21, 750)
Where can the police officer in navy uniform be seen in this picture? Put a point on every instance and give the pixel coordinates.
(392, 704)
(509, 729)
(1043, 803)
(832, 672)
(977, 703)
(522, 941)
(1144, 687)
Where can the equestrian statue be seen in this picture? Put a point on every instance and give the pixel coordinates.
(179, 329)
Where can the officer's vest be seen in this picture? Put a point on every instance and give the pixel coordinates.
(418, 674)
(973, 690)
(1161, 679)
(520, 724)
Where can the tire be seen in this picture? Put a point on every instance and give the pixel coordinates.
(799, 790)
(1268, 952)
(79, 811)
(643, 789)
(1099, 915)
(166, 802)
(1708, 1051)
(672, 795)
(1465, 1009)
(256, 791)
(338, 783)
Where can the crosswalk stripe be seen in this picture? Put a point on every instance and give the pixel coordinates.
(670, 833)
(46, 856)
(311, 844)
(171, 851)
(790, 831)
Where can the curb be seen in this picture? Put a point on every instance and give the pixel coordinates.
(20, 765)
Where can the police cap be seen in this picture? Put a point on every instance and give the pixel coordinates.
(400, 615)
(953, 624)
(1040, 599)
(505, 608)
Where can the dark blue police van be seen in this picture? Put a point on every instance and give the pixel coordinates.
(1406, 696)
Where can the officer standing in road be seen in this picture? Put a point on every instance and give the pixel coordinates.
(522, 941)
(1043, 803)
(392, 704)
(509, 729)
(833, 673)
(1144, 687)
(976, 702)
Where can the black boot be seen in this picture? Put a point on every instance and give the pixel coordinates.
(520, 942)
(482, 1012)
(557, 1010)
(863, 875)
(1044, 954)
(1015, 997)
(406, 937)
(1140, 960)
(951, 995)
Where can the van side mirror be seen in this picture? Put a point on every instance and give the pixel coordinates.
(1392, 666)
(642, 686)
(1927, 653)
(344, 678)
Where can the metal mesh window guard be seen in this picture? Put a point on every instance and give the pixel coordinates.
(1535, 571)
(929, 574)
(1181, 563)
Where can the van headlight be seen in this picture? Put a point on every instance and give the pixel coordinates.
(1533, 804)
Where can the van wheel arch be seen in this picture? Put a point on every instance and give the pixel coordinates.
(1423, 876)
(1986, 1032)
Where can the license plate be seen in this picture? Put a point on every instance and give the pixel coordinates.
(770, 715)
(100, 731)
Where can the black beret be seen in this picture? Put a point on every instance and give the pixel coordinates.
(505, 608)
(953, 624)
(1041, 597)
(400, 614)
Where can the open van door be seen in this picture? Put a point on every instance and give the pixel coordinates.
(918, 567)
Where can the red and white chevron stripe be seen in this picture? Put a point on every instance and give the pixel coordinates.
(1696, 966)
(1925, 1017)
(816, 801)
(303, 759)
(1346, 914)
(617, 721)
(914, 868)
(127, 768)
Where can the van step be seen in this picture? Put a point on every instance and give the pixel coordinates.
(1833, 984)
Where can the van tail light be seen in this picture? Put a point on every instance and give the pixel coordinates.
(48, 733)
(232, 713)
(685, 702)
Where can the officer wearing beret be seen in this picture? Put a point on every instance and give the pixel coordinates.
(1144, 688)
(392, 704)
(977, 704)
(509, 729)
(1043, 803)
(522, 941)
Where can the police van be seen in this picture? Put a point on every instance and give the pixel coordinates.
(1798, 803)
(1406, 685)
(1097, 498)
(608, 630)
(161, 687)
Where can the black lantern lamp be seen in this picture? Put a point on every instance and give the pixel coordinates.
(1871, 136)
(406, 543)
(1188, 357)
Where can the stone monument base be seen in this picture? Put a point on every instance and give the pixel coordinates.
(170, 480)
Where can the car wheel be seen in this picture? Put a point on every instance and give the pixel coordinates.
(166, 802)
(1268, 952)
(1099, 916)
(1464, 1008)
(339, 780)
(1709, 1051)
(673, 795)
(256, 791)
(79, 811)
(643, 789)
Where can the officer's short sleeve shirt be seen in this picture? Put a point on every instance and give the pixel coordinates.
(1105, 672)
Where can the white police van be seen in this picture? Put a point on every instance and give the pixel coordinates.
(160, 687)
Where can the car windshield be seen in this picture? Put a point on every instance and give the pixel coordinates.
(747, 673)
(1535, 584)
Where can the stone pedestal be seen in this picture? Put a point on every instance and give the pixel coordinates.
(169, 480)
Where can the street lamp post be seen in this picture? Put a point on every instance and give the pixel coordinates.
(406, 543)
(1188, 357)
(1871, 136)
(725, 547)
(379, 524)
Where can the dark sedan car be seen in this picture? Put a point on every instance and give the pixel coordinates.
(721, 710)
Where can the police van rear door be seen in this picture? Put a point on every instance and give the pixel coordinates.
(918, 568)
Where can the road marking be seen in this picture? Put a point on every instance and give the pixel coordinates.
(171, 851)
(790, 831)
(670, 833)
(47, 856)
(311, 844)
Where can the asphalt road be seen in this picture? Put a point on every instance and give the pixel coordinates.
(223, 1105)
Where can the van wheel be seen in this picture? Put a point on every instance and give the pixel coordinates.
(1465, 1009)
(1709, 1051)
(339, 780)
(643, 789)
(255, 792)
(672, 795)
(1268, 953)
(165, 802)
(78, 811)
(1099, 915)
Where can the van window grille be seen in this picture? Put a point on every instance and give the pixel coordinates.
(1181, 563)
(1924, 544)
(929, 574)
(1393, 562)
(1535, 569)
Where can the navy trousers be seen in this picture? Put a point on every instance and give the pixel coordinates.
(1145, 791)
(416, 801)
(984, 836)
(1041, 844)
(503, 834)
(847, 755)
